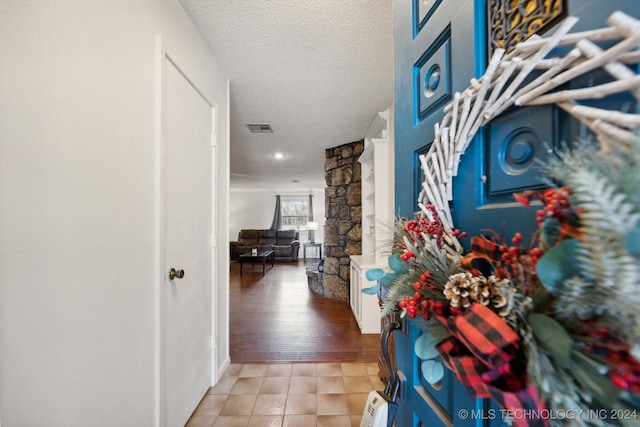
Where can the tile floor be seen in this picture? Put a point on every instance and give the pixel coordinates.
(288, 395)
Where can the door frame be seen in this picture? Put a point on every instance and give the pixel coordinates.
(164, 54)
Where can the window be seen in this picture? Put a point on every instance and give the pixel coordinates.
(294, 212)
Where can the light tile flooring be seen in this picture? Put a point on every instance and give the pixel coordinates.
(289, 395)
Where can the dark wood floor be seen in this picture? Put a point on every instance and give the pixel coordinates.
(276, 318)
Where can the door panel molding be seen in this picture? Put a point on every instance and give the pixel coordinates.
(432, 78)
(423, 10)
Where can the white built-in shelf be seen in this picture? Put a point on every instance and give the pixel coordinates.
(365, 307)
(377, 215)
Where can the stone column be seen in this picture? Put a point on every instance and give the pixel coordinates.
(343, 225)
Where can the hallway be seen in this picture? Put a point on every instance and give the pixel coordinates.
(288, 395)
(276, 318)
(297, 359)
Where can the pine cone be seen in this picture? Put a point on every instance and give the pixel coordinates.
(457, 290)
(489, 294)
(462, 289)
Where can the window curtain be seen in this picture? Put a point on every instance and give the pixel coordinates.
(311, 235)
(276, 224)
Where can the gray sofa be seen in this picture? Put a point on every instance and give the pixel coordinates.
(284, 243)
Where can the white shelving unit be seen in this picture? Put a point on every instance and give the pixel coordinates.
(366, 308)
(377, 219)
(376, 207)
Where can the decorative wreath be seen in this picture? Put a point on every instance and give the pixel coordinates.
(552, 325)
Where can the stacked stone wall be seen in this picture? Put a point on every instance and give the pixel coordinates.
(343, 212)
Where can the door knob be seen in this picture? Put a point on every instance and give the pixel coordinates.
(176, 274)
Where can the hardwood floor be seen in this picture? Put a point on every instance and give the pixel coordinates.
(276, 318)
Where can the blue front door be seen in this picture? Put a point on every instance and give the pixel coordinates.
(439, 46)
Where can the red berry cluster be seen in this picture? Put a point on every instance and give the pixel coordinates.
(407, 255)
(624, 370)
(626, 373)
(421, 224)
(515, 260)
(459, 233)
(418, 304)
(556, 205)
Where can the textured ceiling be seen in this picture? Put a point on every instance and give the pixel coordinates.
(317, 71)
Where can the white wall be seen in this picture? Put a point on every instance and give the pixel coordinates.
(253, 208)
(77, 219)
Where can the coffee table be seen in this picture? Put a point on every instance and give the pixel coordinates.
(260, 256)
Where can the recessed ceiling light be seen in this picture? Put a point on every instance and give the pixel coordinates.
(260, 128)
(278, 156)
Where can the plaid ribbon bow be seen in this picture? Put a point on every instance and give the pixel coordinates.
(483, 256)
(485, 355)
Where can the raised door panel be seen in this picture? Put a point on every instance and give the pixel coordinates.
(434, 58)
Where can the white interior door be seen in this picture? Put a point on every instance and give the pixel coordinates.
(187, 199)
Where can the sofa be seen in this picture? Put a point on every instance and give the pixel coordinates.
(284, 243)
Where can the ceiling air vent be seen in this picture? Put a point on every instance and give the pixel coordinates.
(260, 128)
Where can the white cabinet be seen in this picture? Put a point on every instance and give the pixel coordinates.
(377, 220)
(366, 308)
(377, 187)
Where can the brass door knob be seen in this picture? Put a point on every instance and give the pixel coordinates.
(176, 274)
